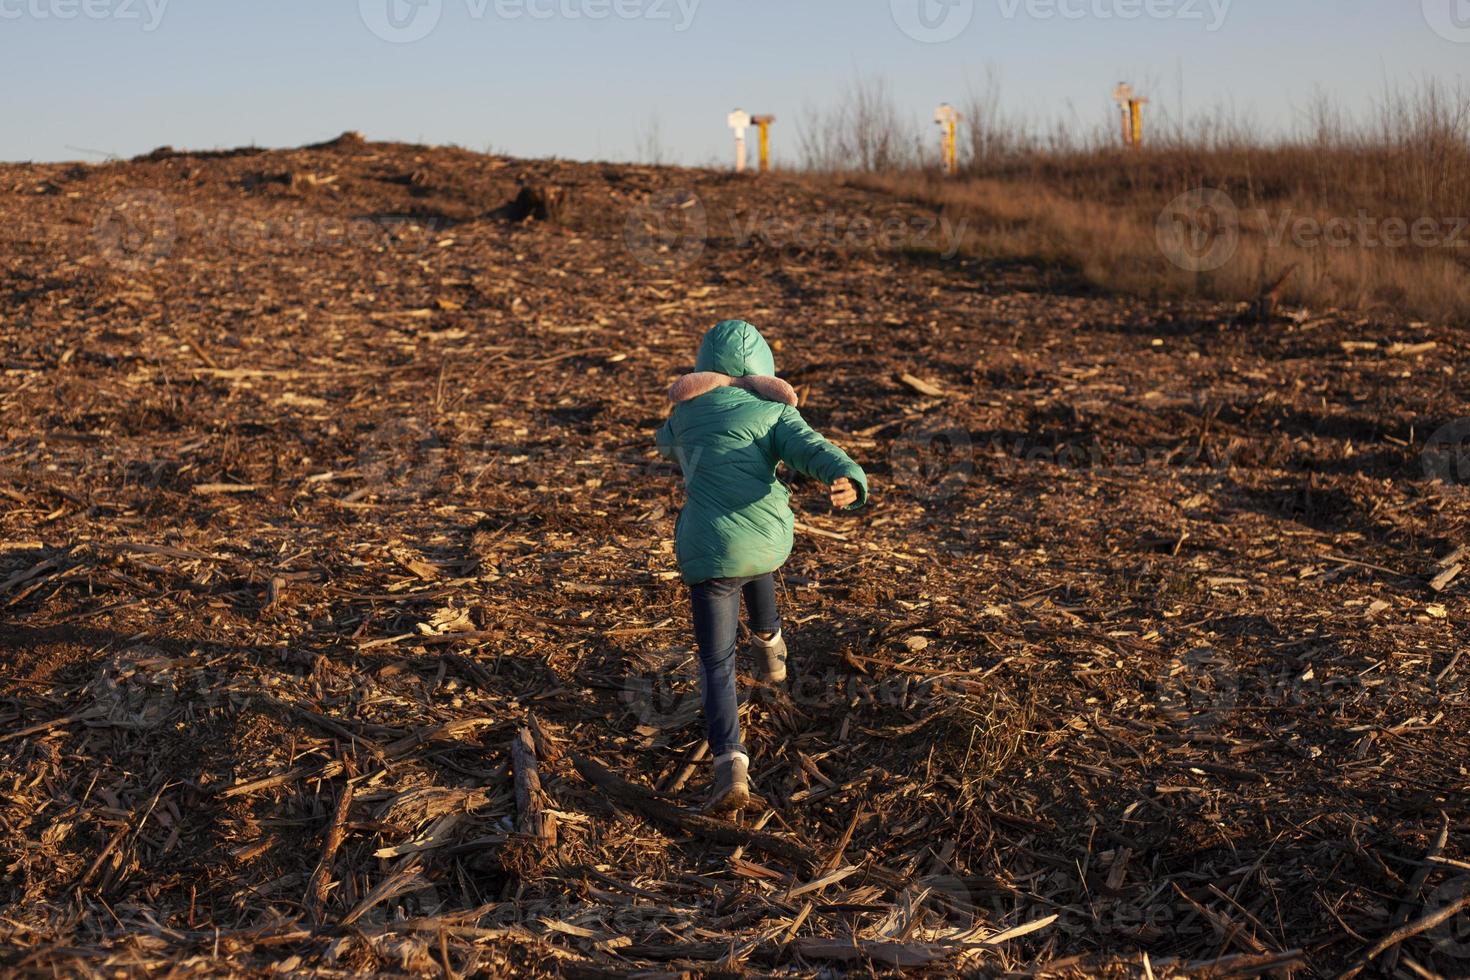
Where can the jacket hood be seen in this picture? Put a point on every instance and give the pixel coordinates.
(737, 349)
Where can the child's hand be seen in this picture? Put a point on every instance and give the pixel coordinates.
(844, 494)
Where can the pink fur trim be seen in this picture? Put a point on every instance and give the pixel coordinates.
(691, 386)
(771, 389)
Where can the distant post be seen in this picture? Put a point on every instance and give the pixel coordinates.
(1132, 111)
(739, 121)
(948, 119)
(763, 123)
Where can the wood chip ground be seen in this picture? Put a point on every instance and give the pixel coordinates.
(342, 633)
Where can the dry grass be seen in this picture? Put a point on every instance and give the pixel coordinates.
(1120, 246)
(1370, 213)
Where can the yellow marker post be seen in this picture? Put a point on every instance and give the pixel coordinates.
(763, 123)
(1132, 109)
(948, 119)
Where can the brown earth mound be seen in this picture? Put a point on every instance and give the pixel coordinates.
(328, 478)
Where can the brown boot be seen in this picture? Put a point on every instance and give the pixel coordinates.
(770, 657)
(731, 791)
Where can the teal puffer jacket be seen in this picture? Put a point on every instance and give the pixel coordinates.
(737, 522)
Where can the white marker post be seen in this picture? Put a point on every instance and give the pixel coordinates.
(739, 121)
(948, 118)
(1132, 111)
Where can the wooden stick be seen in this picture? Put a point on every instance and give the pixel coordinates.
(449, 731)
(532, 820)
(1416, 885)
(107, 849)
(835, 859)
(643, 801)
(690, 768)
(88, 714)
(1455, 557)
(808, 529)
(921, 386)
(1420, 925)
(1442, 581)
(547, 749)
(321, 878)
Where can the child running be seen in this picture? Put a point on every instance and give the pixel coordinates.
(733, 421)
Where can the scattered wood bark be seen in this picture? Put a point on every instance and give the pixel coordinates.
(535, 823)
(684, 820)
(333, 552)
(321, 878)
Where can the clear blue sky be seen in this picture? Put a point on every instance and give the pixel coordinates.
(523, 77)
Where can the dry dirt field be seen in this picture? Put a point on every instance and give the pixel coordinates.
(327, 477)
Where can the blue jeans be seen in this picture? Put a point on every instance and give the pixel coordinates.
(716, 606)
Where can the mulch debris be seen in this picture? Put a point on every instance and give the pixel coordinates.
(342, 633)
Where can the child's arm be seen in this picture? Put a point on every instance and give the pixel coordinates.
(805, 451)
